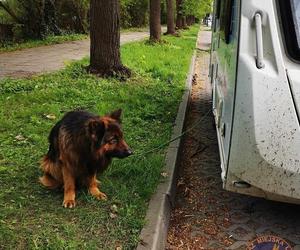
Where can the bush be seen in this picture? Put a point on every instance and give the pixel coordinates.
(134, 13)
(18, 32)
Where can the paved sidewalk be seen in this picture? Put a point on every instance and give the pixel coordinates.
(205, 40)
(28, 62)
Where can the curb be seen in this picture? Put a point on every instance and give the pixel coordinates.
(154, 234)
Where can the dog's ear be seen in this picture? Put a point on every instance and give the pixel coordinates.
(116, 115)
(96, 129)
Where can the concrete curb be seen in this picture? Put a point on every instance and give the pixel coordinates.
(154, 234)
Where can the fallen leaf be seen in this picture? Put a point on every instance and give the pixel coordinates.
(112, 215)
(164, 174)
(114, 208)
(20, 138)
(51, 116)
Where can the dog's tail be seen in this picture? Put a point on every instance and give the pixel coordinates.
(53, 151)
(52, 177)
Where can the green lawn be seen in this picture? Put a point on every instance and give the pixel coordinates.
(32, 217)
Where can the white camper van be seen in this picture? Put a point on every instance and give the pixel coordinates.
(255, 75)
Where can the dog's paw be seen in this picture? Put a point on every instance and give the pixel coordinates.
(69, 203)
(101, 196)
(94, 191)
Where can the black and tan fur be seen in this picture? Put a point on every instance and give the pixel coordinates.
(81, 146)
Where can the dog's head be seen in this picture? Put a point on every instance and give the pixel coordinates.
(106, 133)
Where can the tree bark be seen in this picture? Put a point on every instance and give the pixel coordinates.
(155, 26)
(184, 25)
(170, 17)
(179, 16)
(189, 20)
(105, 58)
(193, 20)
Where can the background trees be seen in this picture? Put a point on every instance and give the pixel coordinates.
(28, 16)
(196, 8)
(73, 15)
(35, 19)
(134, 13)
(190, 10)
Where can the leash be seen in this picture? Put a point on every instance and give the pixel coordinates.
(175, 138)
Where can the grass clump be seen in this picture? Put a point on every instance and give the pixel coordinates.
(32, 217)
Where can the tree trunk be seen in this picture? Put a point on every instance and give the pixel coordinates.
(189, 20)
(179, 16)
(170, 17)
(105, 39)
(193, 19)
(184, 25)
(51, 17)
(155, 26)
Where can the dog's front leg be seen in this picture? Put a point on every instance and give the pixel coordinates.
(94, 190)
(69, 188)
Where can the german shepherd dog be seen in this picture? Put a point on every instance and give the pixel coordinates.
(81, 146)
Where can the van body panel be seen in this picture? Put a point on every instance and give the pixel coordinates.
(266, 136)
(263, 148)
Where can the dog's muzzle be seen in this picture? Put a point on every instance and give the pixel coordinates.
(127, 153)
(122, 154)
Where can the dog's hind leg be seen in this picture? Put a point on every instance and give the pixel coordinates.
(69, 188)
(94, 190)
(49, 182)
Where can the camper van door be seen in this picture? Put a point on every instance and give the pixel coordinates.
(223, 71)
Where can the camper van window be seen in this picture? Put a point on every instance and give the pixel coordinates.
(290, 17)
(226, 19)
(295, 4)
(217, 15)
(218, 9)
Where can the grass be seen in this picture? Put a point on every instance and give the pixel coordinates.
(32, 217)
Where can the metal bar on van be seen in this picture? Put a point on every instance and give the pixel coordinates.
(259, 41)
